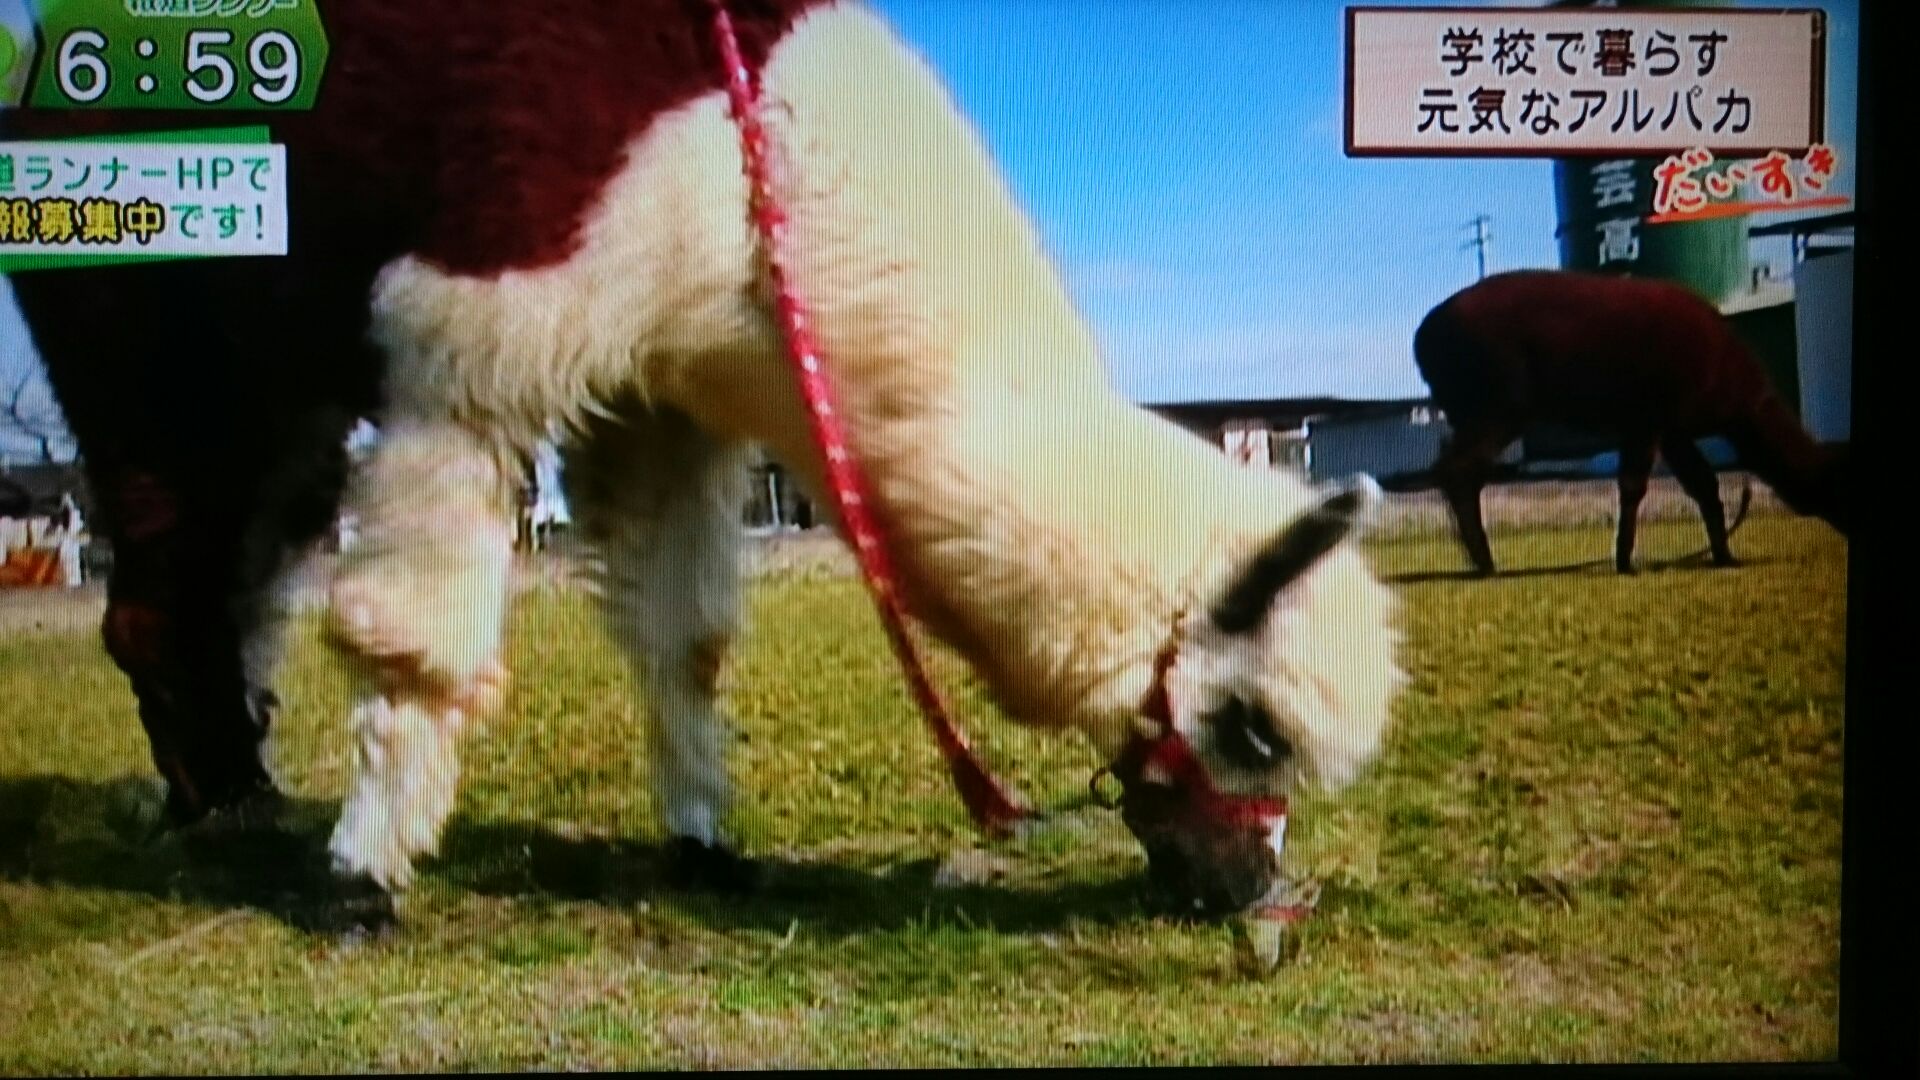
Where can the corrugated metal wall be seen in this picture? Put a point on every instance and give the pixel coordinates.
(1823, 295)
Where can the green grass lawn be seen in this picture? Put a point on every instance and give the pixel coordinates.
(1606, 827)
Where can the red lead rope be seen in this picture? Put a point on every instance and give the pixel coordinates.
(993, 810)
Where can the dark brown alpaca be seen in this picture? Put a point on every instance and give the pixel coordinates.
(1647, 362)
(214, 465)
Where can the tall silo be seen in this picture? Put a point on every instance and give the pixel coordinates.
(1602, 205)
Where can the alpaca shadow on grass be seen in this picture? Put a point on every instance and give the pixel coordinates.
(1602, 567)
(108, 836)
(841, 895)
(59, 831)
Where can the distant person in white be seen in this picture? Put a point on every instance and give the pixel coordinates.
(69, 528)
(549, 504)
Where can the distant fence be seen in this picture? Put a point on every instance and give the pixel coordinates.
(39, 552)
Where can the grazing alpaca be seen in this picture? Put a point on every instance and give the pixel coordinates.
(1648, 362)
(561, 234)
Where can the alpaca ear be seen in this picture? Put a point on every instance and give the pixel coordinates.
(1291, 552)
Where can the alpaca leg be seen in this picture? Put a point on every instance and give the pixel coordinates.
(167, 628)
(1462, 470)
(1636, 465)
(1697, 477)
(261, 612)
(661, 499)
(262, 607)
(416, 607)
(263, 633)
(246, 837)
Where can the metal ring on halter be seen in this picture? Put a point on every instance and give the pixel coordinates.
(1093, 788)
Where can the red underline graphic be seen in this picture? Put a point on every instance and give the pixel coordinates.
(1720, 210)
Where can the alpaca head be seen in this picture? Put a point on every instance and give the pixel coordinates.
(1283, 676)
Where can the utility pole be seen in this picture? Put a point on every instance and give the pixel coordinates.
(1481, 238)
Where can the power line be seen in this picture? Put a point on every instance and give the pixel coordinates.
(1482, 237)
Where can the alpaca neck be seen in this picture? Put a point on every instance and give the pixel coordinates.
(1042, 525)
(1053, 542)
(1051, 532)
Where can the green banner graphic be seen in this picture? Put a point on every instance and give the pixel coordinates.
(13, 263)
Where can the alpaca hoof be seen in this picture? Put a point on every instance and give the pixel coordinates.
(355, 910)
(259, 809)
(243, 790)
(184, 807)
(713, 868)
(244, 838)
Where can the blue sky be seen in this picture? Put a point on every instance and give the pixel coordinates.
(1183, 162)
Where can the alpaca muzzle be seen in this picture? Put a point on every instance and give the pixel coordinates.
(1208, 852)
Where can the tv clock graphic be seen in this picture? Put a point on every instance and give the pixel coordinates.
(271, 68)
(266, 55)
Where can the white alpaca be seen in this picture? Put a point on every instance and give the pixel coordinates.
(1051, 532)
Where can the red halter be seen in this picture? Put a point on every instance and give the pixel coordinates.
(1169, 753)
